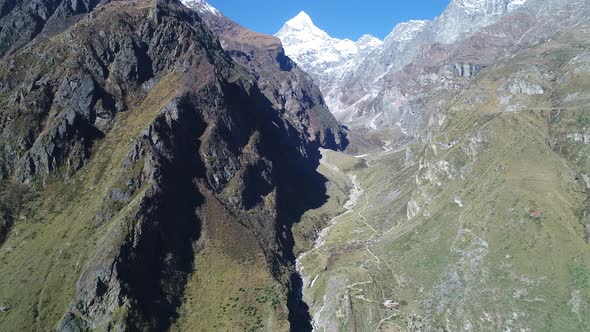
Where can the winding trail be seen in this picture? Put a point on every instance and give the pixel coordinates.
(355, 193)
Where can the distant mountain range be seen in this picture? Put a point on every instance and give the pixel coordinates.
(353, 76)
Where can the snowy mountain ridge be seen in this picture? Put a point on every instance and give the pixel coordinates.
(350, 74)
(464, 17)
(407, 30)
(201, 6)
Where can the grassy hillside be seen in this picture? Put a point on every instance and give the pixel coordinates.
(480, 227)
(55, 236)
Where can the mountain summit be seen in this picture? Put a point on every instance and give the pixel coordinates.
(302, 22)
(309, 45)
(312, 47)
(327, 59)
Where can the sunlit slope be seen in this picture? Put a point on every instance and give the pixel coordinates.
(480, 225)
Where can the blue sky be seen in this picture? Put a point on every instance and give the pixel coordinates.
(341, 19)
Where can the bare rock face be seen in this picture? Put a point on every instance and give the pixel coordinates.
(78, 95)
(465, 17)
(23, 21)
(522, 87)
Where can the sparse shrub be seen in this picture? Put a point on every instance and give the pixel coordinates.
(12, 197)
(580, 274)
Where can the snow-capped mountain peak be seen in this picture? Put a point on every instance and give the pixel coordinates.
(366, 44)
(303, 28)
(341, 67)
(201, 6)
(325, 57)
(301, 21)
(311, 46)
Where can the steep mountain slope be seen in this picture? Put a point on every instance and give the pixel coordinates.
(440, 66)
(150, 180)
(480, 224)
(37, 19)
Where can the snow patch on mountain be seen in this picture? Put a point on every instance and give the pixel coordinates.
(368, 41)
(464, 17)
(201, 6)
(407, 30)
(515, 4)
(487, 6)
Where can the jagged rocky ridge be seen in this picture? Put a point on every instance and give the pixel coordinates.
(289, 88)
(136, 123)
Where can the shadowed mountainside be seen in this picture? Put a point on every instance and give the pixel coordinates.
(145, 169)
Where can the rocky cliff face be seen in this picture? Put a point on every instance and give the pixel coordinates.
(151, 153)
(464, 17)
(290, 89)
(24, 21)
